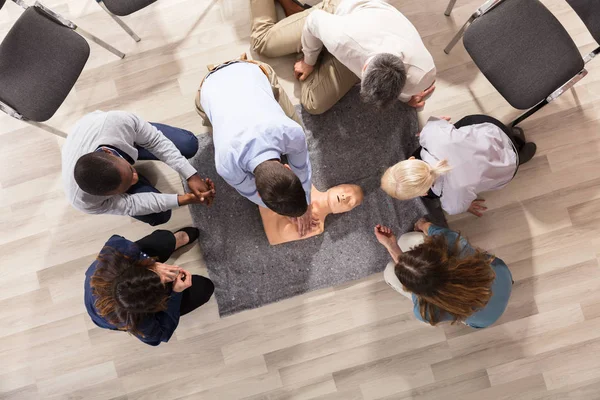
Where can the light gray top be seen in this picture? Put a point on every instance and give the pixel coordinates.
(123, 131)
(482, 158)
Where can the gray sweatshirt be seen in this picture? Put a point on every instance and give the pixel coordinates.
(123, 131)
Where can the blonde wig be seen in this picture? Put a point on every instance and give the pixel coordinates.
(411, 178)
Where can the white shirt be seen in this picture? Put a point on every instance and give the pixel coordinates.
(121, 130)
(360, 29)
(482, 158)
(250, 127)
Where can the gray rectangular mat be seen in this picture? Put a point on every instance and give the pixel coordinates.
(352, 143)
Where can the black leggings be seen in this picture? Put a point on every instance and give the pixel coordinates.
(161, 244)
(480, 119)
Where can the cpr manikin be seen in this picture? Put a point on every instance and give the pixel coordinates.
(338, 199)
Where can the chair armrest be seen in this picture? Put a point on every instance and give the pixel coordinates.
(54, 16)
(10, 111)
(487, 6)
(21, 4)
(591, 55)
(566, 86)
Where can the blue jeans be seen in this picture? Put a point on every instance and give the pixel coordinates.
(187, 143)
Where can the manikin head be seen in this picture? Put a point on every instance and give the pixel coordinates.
(411, 178)
(344, 198)
(101, 173)
(383, 79)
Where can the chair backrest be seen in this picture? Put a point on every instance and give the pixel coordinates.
(589, 12)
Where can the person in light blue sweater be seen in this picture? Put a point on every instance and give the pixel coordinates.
(445, 277)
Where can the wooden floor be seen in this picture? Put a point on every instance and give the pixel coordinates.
(359, 341)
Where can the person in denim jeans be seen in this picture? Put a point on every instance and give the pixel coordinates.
(445, 277)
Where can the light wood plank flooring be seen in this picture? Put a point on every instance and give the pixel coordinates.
(355, 342)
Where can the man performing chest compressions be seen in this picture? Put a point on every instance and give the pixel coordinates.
(254, 125)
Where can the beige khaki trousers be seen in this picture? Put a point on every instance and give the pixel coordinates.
(330, 80)
(278, 92)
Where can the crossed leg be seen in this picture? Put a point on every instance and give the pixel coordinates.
(330, 80)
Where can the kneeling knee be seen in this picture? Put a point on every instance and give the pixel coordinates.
(161, 218)
(190, 148)
(314, 108)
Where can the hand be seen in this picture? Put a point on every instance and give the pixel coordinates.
(302, 70)
(422, 225)
(203, 189)
(385, 236)
(418, 100)
(183, 281)
(446, 118)
(477, 208)
(187, 199)
(305, 223)
(167, 273)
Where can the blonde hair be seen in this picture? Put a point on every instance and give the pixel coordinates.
(411, 178)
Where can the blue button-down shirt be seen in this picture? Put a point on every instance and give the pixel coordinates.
(249, 127)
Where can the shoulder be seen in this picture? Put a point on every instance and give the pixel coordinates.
(227, 165)
(120, 118)
(120, 245)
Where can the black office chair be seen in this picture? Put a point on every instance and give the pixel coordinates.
(41, 58)
(524, 51)
(123, 8)
(589, 12)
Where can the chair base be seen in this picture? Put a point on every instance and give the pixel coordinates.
(119, 21)
(449, 8)
(100, 42)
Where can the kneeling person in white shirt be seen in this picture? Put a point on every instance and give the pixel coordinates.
(252, 129)
(367, 41)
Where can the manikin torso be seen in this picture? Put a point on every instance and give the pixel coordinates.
(342, 198)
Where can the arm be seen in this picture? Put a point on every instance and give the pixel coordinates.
(420, 86)
(320, 28)
(386, 237)
(299, 160)
(247, 188)
(150, 138)
(142, 203)
(164, 323)
(459, 203)
(136, 204)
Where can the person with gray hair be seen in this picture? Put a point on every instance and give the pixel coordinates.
(365, 40)
(384, 77)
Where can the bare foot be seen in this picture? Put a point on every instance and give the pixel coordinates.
(181, 239)
(289, 7)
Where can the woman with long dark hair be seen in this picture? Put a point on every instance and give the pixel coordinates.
(129, 287)
(445, 277)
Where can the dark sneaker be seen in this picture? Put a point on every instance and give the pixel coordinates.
(527, 152)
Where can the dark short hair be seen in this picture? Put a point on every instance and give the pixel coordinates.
(383, 80)
(280, 189)
(96, 173)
